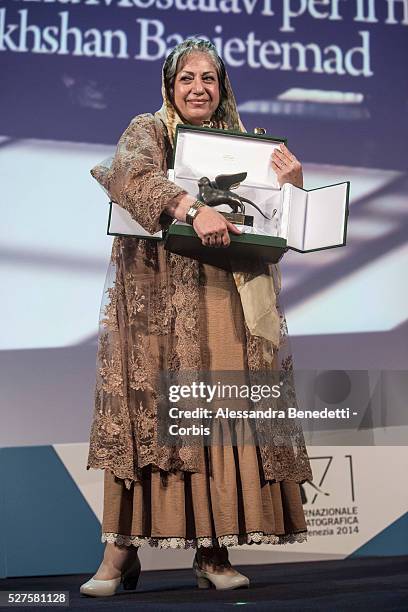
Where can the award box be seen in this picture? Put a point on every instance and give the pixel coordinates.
(298, 219)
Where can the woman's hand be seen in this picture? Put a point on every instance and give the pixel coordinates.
(212, 227)
(287, 167)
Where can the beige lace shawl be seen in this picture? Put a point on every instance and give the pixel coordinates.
(149, 322)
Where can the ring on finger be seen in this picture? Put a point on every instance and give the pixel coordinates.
(213, 240)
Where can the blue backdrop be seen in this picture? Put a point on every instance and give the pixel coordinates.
(79, 69)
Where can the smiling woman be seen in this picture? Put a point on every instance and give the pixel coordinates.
(168, 313)
(196, 91)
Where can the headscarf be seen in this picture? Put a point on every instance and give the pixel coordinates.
(257, 291)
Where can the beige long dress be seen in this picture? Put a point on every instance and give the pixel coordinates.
(166, 312)
(234, 505)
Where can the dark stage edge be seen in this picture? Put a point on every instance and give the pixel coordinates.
(336, 586)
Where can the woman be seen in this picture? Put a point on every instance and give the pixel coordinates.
(170, 313)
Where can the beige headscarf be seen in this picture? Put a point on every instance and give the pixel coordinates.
(257, 291)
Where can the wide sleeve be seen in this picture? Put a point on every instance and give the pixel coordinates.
(136, 178)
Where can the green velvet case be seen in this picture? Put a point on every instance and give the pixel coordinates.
(182, 240)
(308, 220)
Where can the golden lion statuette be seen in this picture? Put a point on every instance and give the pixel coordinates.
(218, 191)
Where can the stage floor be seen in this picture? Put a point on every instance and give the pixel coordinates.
(333, 586)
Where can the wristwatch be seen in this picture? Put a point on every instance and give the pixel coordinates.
(193, 211)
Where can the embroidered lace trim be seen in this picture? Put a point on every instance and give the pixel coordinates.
(254, 537)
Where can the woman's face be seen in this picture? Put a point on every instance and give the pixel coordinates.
(196, 89)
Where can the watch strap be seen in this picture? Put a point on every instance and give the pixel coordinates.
(193, 211)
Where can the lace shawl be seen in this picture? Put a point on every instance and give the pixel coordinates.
(149, 322)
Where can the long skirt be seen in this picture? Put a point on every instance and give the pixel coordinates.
(231, 503)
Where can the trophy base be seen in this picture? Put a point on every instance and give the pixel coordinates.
(239, 218)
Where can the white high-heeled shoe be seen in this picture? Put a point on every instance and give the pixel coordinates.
(223, 582)
(104, 588)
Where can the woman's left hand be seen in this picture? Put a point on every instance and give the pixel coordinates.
(288, 169)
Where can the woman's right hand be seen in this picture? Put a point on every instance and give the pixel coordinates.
(212, 227)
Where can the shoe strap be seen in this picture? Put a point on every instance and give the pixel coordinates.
(225, 563)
